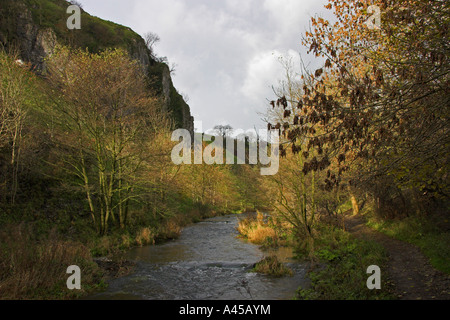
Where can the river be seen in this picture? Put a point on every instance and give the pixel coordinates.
(207, 262)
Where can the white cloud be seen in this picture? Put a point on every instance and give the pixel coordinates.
(265, 71)
(289, 13)
(226, 51)
(262, 72)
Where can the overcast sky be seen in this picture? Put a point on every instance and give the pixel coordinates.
(226, 51)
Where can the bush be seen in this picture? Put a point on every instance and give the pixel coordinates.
(145, 237)
(257, 231)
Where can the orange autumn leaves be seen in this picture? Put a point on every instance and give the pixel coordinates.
(364, 101)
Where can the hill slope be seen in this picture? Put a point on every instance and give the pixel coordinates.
(34, 27)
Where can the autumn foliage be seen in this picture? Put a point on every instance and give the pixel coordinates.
(375, 116)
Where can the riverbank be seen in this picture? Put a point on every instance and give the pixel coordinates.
(344, 249)
(208, 262)
(409, 268)
(335, 260)
(114, 266)
(339, 268)
(34, 256)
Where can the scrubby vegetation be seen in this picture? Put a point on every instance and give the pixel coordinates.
(85, 168)
(272, 267)
(257, 230)
(342, 265)
(86, 171)
(33, 265)
(365, 134)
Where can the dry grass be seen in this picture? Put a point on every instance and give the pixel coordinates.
(173, 226)
(171, 229)
(271, 266)
(36, 268)
(145, 237)
(256, 230)
(260, 234)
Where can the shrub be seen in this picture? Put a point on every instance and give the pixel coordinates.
(145, 237)
(256, 230)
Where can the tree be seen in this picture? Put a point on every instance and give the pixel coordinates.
(13, 106)
(295, 200)
(223, 130)
(105, 110)
(296, 197)
(380, 100)
(151, 39)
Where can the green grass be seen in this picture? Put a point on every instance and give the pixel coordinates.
(343, 263)
(95, 34)
(431, 234)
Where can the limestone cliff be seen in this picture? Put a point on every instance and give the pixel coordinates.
(34, 27)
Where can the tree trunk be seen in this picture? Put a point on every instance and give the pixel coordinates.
(355, 206)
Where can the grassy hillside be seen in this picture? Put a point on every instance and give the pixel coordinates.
(46, 219)
(95, 35)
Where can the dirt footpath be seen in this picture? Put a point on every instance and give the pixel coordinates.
(408, 270)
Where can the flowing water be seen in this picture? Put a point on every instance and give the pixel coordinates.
(207, 262)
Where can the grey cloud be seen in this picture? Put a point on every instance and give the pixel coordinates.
(221, 48)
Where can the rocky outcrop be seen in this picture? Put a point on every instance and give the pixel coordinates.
(175, 103)
(140, 53)
(35, 43)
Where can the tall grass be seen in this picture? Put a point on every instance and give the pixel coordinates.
(145, 237)
(272, 267)
(32, 268)
(256, 230)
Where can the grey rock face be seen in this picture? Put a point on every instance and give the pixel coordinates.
(34, 43)
(37, 43)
